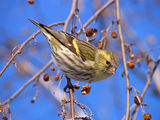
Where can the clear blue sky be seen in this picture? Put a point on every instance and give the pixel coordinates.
(107, 98)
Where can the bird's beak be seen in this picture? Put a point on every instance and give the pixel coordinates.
(112, 71)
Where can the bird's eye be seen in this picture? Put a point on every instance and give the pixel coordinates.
(107, 62)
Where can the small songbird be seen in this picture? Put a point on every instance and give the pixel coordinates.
(78, 59)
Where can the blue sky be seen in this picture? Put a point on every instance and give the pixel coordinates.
(107, 98)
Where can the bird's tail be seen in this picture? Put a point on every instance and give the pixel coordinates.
(48, 32)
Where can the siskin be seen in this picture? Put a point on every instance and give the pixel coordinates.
(78, 59)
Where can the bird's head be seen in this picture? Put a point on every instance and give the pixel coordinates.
(106, 62)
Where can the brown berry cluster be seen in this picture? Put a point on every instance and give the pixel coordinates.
(90, 32)
(85, 89)
(130, 62)
(147, 116)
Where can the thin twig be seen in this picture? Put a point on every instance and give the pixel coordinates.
(136, 112)
(131, 108)
(63, 108)
(96, 14)
(146, 86)
(71, 14)
(124, 59)
(138, 98)
(150, 78)
(24, 44)
(81, 26)
(27, 83)
(105, 37)
(9, 111)
(35, 96)
(85, 106)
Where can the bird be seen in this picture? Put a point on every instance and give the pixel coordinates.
(78, 59)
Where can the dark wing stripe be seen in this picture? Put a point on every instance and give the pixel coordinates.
(44, 27)
(71, 48)
(67, 41)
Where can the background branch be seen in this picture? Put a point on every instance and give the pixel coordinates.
(146, 86)
(27, 83)
(124, 59)
(96, 14)
(71, 14)
(20, 48)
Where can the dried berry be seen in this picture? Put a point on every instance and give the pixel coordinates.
(145, 104)
(85, 89)
(76, 86)
(147, 116)
(30, 1)
(131, 64)
(132, 56)
(114, 34)
(59, 114)
(90, 32)
(52, 68)
(46, 77)
(57, 77)
(32, 101)
(123, 73)
(137, 91)
(138, 100)
(149, 72)
(4, 118)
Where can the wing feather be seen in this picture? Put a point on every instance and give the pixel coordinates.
(78, 46)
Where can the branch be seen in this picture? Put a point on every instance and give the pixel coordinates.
(147, 85)
(96, 14)
(124, 59)
(81, 26)
(149, 80)
(71, 14)
(71, 94)
(27, 83)
(24, 44)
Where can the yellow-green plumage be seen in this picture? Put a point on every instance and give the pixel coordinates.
(77, 58)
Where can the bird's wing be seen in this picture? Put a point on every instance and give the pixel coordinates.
(86, 49)
(60, 37)
(78, 46)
